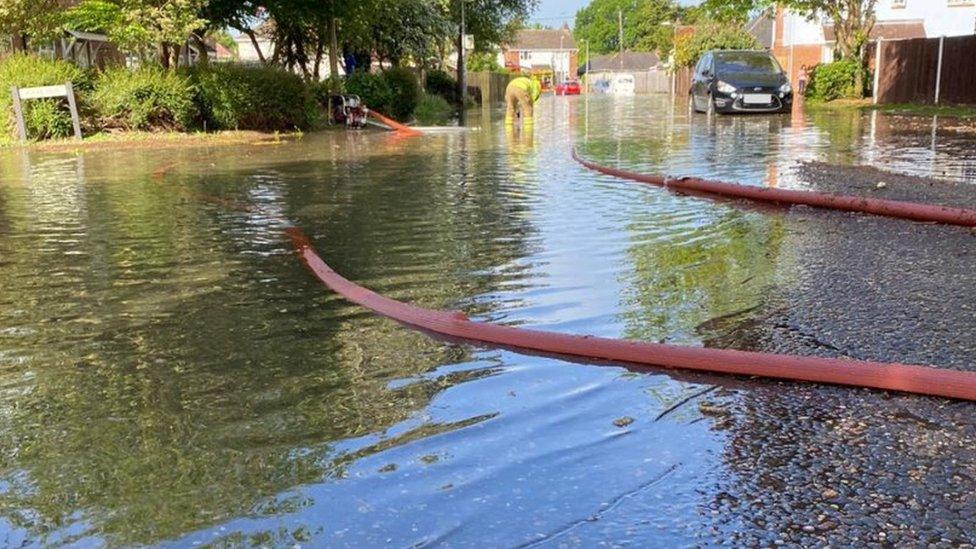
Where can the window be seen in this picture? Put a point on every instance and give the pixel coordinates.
(525, 55)
(896, 4)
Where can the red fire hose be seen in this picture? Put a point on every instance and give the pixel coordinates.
(393, 124)
(889, 208)
(921, 380)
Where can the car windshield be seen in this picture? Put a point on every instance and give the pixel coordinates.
(746, 62)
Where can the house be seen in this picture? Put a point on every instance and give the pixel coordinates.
(798, 41)
(939, 17)
(548, 54)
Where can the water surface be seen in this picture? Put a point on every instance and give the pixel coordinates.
(170, 374)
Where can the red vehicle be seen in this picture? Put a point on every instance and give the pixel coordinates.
(570, 87)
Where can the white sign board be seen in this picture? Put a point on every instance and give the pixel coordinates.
(469, 41)
(43, 92)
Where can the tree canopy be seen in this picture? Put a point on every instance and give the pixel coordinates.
(714, 36)
(303, 31)
(853, 21)
(647, 24)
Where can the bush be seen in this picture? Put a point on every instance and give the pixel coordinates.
(44, 118)
(373, 89)
(322, 91)
(394, 93)
(483, 62)
(688, 49)
(829, 81)
(442, 84)
(149, 98)
(240, 97)
(433, 110)
(404, 92)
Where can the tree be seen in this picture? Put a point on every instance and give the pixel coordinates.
(643, 24)
(490, 21)
(853, 21)
(715, 36)
(30, 19)
(140, 26)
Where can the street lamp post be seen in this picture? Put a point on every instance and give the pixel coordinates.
(462, 70)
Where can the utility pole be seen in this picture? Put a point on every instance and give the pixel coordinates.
(461, 70)
(587, 73)
(620, 27)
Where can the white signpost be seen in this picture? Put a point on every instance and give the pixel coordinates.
(44, 92)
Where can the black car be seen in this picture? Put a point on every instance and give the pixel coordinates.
(740, 81)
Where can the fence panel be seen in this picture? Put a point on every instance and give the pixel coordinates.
(959, 70)
(489, 86)
(653, 81)
(909, 70)
(682, 82)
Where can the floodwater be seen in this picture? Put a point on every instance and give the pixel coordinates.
(170, 373)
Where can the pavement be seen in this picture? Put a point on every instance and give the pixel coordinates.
(818, 465)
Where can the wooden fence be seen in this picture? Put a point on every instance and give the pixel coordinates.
(927, 70)
(488, 86)
(682, 84)
(652, 81)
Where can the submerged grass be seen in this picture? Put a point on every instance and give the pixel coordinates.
(155, 140)
(966, 112)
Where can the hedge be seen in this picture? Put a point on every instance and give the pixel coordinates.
(149, 98)
(829, 81)
(241, 97)
(442, 84)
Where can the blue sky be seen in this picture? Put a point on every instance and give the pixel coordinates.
(554, 12)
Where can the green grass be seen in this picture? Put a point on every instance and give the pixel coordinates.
(949, 111)
(150, 140)
(901, 109)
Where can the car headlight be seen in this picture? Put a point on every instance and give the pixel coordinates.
(786, 88)
(725, 87)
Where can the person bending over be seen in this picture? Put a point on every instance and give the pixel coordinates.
(520, 96)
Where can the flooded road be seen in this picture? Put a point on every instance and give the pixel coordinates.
(170, 374)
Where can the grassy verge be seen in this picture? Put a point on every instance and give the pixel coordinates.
(966, 112)
(948, 111)
(156, 140)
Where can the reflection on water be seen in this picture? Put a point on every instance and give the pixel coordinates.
(169, 372)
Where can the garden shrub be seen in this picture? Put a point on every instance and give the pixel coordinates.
(373, 89)
(242, 97)
(323, 90)
(829, 81)
(44, 118)
(404, 92)
(484, 61)
(433, 110)
(442, 84)
(148, 98)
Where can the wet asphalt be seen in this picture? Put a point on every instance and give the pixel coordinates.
(818, 465)
(874, 182)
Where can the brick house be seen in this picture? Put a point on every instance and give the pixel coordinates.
(798, 41)
(548, 54)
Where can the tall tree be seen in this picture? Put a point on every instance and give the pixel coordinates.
(140, 26)
(853, 21)
(646, 24)
(491, 22)
(24, 20)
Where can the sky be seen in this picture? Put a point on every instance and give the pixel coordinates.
(554, 13)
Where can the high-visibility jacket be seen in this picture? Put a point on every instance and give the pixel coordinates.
(528, 85)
